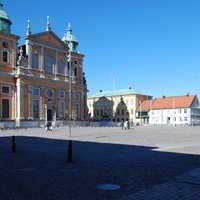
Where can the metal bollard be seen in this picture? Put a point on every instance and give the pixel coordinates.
(69, 156)
(13, 144)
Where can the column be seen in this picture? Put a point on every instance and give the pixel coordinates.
(29, 53)
(20, 103)
(41, 107)
(42, 63)
(56, 65)
(30, 103)
(14, 54)
(13, 102)
(66, 69)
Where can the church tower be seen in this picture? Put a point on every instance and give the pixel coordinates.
(75, 66)
(70, 39)
(8, 57)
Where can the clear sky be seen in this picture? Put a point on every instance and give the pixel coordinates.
(151, 45)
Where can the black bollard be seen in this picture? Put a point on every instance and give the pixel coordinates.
(13, 144)
(69, 157)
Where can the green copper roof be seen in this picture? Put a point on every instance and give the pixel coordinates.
(128, 91)
(3, 14)
(68, 37)
(5, 22)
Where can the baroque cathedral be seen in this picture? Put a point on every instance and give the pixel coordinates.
(43, 79)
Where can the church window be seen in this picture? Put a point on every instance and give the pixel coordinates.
(61, 108)
(61, 94)
(5, 53)
(61, 67)
(49, 93)
(5, 89)
(36, 91)
(5, 108)
(36, 104)
(35, 62)
(48, 64)
(5, 56)
(75, 71)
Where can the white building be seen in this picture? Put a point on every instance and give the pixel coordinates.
(179, 110)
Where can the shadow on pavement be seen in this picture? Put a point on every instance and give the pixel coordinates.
(39, 169)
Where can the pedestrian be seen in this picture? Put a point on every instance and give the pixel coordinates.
(122, 124)
(48, 126)
(126, 125)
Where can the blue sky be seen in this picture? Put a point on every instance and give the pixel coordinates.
(151, 45)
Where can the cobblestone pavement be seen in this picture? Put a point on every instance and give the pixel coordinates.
(187, 188)
(144, 162)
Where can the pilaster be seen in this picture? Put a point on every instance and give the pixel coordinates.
(42, 63)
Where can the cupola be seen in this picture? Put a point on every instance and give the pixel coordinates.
(70, 39)
(5, 22)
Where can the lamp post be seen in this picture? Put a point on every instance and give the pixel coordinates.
(70, 85)
(45, 108)
(140, 114)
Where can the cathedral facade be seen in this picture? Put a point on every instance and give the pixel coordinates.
(43, 79)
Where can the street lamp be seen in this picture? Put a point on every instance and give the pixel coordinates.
(140, 113)
(45, 107)
(70, 85)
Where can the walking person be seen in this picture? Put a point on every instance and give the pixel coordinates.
(122, 124)
(126, 125)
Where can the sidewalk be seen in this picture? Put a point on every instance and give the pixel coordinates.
(183, 187)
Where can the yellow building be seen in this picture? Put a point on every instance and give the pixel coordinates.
(42, 79)
(116, 105)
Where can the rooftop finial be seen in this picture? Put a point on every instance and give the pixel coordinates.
(28, 32)
(1, 6)
(69, 28)
(48, 27)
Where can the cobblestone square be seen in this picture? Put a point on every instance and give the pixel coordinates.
(141, 161)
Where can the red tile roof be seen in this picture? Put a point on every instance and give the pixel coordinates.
(167, 103)
(145, 105)
(173, 102)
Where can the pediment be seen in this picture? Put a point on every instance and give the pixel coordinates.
(49, 39)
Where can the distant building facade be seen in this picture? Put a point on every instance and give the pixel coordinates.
(142, 112)
(114, 105)
(42, 79)
(177, 110)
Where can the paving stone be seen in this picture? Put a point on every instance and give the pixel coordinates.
(146, 162)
